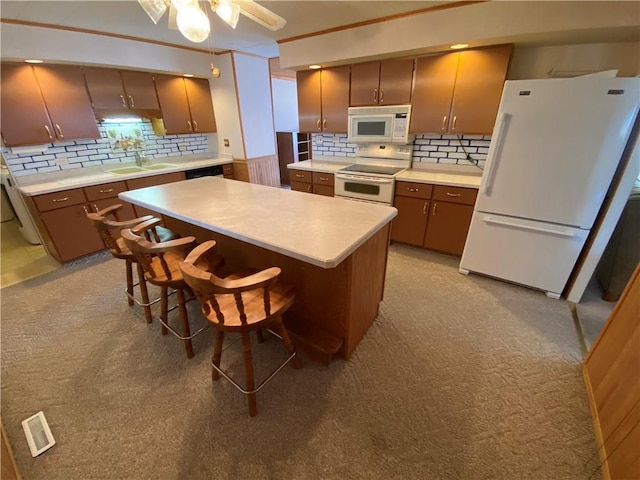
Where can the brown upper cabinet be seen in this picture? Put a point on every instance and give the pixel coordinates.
(112, 89)
(45, 104)
(459, 92)
(387, 82)
(323, 100)
(185, 104)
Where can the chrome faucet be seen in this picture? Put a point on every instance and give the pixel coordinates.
(141, 159)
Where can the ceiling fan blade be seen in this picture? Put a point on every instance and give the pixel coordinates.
(259, 14)
(173, 13)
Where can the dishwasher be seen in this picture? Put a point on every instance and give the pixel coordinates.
(213, 171)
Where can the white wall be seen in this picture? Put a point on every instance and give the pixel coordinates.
(285, 104)
(254, 98)
(226, 108)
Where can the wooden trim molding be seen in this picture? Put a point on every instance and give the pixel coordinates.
(261, 170)
(388, 18)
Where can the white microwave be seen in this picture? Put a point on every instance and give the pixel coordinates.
(388, 124)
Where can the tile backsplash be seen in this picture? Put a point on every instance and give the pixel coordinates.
(54, 157)
(427, 148)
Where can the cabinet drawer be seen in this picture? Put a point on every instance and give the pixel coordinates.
(301, 186)
(411, 189)
(322, 178)
(326, 190)
(227, 169)
(66, 198)
(466, 196)
(300, 176)
(155, 180)
(107, 190)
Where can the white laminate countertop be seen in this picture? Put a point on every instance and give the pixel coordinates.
(319, 230)
(452, 175)
(85, 177)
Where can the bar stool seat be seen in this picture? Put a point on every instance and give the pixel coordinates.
(242, 303)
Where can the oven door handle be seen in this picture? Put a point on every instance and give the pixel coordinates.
(344, 176)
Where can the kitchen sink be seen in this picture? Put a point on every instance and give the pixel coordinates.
(127, 170)
(159, 166)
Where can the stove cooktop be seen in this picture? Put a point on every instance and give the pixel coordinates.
(375, 169)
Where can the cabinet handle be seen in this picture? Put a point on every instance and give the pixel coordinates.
(63, 199)
(324, 179)
(324, 124)
(434, 208)
(46, 127)
(309, 189)
(453, 194)
(375, 95)
(124, 102)
(453, 127)
(444, 123)
(131, 102)
(318, 124)
(106, 191)
(381, 95)
(412, 189)
(60, 135)
(299, 175)
(424, 208)
(195, 126)
(189, 124)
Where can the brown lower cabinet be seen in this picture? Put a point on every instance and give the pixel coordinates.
(61, 216)
(433, 216)
(313, 182)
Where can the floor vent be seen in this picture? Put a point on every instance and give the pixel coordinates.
(38, 434)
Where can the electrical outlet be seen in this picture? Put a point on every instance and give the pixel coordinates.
(226, 142)
(182, 148)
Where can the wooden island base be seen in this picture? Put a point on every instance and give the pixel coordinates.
(334, 307)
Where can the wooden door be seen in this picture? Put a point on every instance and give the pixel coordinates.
(286, 154)
(309, 101)
(200, 105)
(410, 223)
(65, 95)
(447, 227)
(73, 235)
(479, 83)
(172, 97)
(105, 88)
(365, 80)
(435, 78)
(396, 77)
(335, 99)
(140, 91)
(24, 118)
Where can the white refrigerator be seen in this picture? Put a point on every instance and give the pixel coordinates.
(554, 150)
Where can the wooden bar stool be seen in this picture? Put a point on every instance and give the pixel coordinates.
(241, 303)
(108, 224)
(160, 263)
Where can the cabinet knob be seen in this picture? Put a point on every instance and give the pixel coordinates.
(453, 127)
(46, 127)
(131, 102)
(106, 191)
(60, 135)
(412, 189)
(375, 95)
(318, 124)
(381, 96)
(324, 124)
(63, 199)
(124, 102)
(434, 208)
(424, 208)
(453, 194)
(195, 126)
(324, 179)
(299, 175)
(189, 125)
(444, 123)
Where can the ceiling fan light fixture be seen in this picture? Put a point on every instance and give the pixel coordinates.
(181, 5)
(227, 11)
(154, 8)
(193, 23)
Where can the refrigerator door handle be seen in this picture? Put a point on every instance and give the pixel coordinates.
(502, 122)
(562, 233)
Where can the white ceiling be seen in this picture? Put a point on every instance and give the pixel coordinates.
(126, 17)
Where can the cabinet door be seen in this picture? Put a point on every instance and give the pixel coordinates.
(410, 223)
(127, 212)
(447, 227)
(365, 79)
(200, 105)
(335, 99)
(72, 234)
(301, 187)
(24, 117)
(433, 92)
(479, 83)
(105, 88)
(309, 102)
(325, 190)
(172, 96)
(65, 95)
(140, 90)
(396, 77)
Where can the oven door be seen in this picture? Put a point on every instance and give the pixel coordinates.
(375, 189)
(370, 128)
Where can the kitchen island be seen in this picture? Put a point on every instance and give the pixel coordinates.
(334, 251)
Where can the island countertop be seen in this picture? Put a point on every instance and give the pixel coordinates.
(319, 230)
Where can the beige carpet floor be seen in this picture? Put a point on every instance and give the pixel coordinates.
(459, 378)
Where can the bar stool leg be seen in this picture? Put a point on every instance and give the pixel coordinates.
(217, 354)
(248, 373)
(287, 341)
(184, 321)
(129, 268)
(144, 293)
(164, 308)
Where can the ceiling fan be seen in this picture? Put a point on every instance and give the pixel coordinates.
(193, 22)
